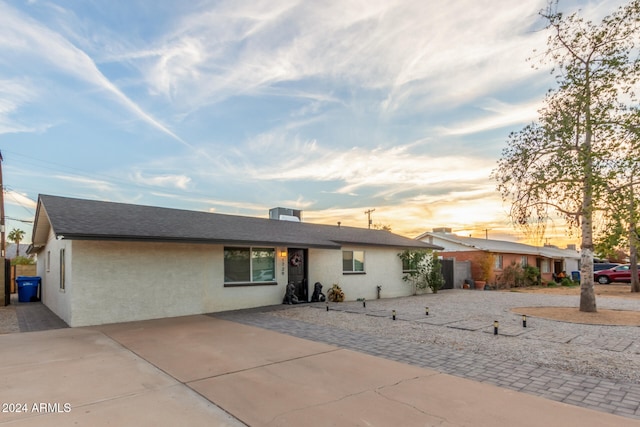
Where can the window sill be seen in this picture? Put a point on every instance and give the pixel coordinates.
(347, 273)
(241, 284)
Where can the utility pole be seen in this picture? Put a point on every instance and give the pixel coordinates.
(4, 295)
(368, 214)
(2, 230)
(486, 233)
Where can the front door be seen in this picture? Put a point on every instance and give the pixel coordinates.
(297, 262)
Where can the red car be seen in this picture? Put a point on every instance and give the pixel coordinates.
(621, 273)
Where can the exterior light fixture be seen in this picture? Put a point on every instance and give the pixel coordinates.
(283, 253)
(495, 327)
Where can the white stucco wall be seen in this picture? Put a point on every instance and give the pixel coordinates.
(113, 282)
(110, 282)
(48, 266)
(382, 267)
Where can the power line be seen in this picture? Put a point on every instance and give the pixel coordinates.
(26, 221)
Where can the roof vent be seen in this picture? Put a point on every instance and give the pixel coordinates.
(442, 230)
(286, 214)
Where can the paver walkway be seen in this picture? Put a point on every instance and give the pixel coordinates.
(581, 390)
(35, 316)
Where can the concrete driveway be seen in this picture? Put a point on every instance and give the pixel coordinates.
(200, 370)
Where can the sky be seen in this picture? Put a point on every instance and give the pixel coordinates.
(236, 107)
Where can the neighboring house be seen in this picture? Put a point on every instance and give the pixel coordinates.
(12, 250)
(104, 262)
(548, 259)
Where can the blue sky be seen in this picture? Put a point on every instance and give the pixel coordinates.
(332, 107)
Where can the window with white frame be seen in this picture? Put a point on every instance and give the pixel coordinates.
(544, 266)
(353, 261)
(524, 260)
(249, 265)
(497, 265)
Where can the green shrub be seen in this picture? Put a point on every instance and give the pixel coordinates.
(566, 282)
(22, 260)
(422, 269)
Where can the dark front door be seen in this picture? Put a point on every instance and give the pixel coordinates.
(297, 262)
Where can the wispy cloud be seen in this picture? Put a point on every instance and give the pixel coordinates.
(16, 198)
(99, 185)
(31, 38)
(398, 167)
(164, 180)
(408, 50)
(15, 94)
(499, 115)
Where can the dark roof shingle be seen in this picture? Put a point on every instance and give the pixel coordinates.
(98, 220)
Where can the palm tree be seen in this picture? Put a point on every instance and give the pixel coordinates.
(16, 236)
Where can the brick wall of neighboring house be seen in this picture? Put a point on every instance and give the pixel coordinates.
(507, 259)
(471, 256)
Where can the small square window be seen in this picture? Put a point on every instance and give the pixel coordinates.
(353, 261)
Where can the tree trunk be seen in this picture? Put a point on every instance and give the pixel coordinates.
(587, 293)
(633, 255)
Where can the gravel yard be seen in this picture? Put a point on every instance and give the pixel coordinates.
(463, 320)
(8, 320)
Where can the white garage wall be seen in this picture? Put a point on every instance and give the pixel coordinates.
(117, 282)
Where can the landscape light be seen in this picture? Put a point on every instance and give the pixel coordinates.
(524, 320)
(393, 313)
(426, 311)
(495, 327)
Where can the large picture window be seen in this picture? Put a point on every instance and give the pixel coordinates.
(249, 265)
(353, 261)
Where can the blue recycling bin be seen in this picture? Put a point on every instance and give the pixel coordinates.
(575, 276)
(28, 288)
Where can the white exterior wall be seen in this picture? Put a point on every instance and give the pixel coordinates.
(113, 282)
(110, 282)
(48, 267)
(382, 267)
(571, 264)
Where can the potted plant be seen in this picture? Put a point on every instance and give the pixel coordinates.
(485, 263)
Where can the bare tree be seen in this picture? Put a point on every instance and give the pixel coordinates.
(561, 164)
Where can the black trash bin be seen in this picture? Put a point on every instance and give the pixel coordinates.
(28, 287)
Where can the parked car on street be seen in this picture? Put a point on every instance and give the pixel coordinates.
(620, 273)
(597, 266)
